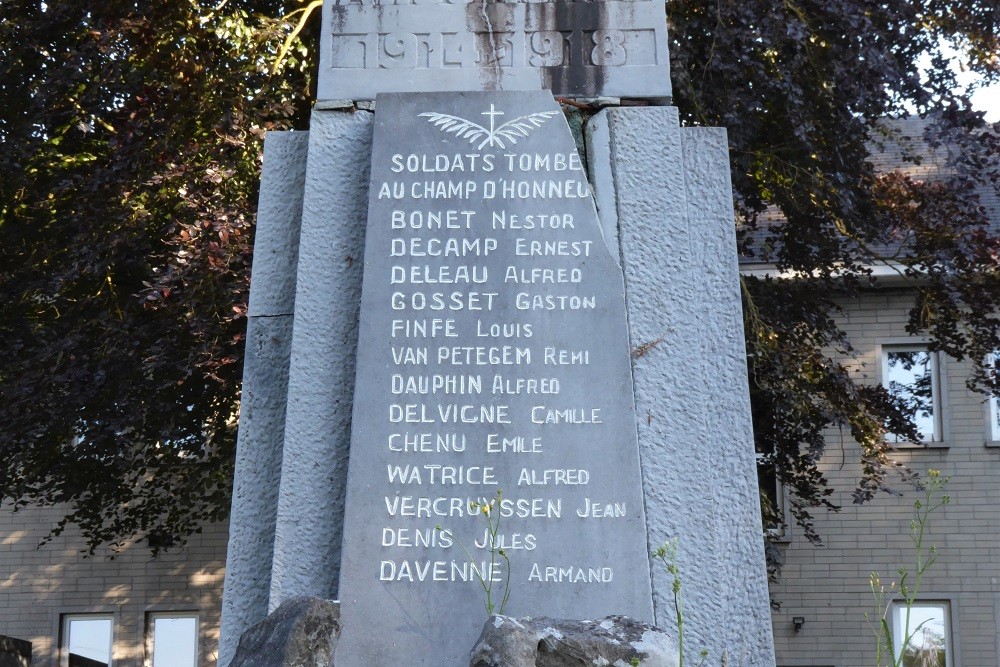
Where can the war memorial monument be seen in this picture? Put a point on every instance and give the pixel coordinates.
(460, 298)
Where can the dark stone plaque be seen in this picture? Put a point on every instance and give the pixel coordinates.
(575, 48)
(493, 355)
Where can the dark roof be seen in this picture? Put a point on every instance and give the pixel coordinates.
(898, 145)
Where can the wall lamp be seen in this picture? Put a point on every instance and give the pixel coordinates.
(798, 622)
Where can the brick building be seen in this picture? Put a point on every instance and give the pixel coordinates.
(139, 611)
(827, 587)
(824, 591)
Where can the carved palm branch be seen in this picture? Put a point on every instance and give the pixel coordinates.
(512, 130)
(460, 127)
(522, 126)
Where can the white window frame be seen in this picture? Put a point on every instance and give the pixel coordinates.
(64, 633)
(778, 533)
(993, 438)
(992, 406)
(938, 399)
(152, 616)
(950, 645)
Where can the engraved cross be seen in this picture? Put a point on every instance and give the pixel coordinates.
(492, 113)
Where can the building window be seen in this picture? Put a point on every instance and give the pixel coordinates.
(994, 402)
(87, 640)
(172, 639)
(922, 634)
(910, 373)
(772, 497)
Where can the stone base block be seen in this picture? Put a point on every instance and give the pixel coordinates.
(552, 642)
(302, 632)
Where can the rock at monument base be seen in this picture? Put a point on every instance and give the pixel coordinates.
(302, 632)
(14, 652)
(615, 641)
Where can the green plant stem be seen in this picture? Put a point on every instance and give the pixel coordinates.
(925, 559)
(491, 510)
(680, 629)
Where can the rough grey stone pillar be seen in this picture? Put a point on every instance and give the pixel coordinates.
(672, 200)
(324, 341)
(265, 383)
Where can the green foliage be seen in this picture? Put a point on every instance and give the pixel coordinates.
(131, 136)
(801, 86)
